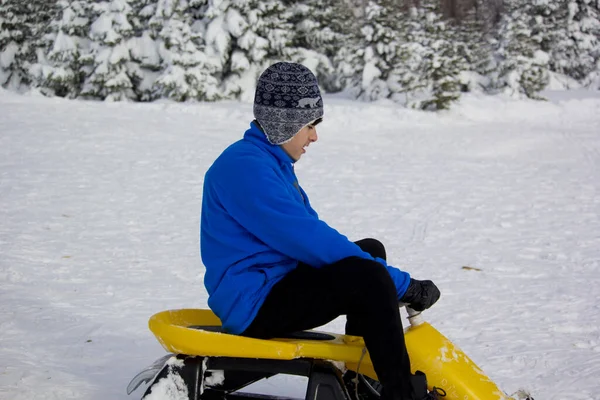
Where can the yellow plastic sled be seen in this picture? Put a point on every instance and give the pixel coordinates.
(194, 332)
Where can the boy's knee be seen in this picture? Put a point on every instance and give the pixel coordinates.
(368, 284)
(369, 273)
(372, 246)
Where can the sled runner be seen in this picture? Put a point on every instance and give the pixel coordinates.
(208, 364)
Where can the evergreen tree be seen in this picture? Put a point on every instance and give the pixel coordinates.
(409, 79)
(593, 79)
(578, 51)
(442, 69)
(142, 12)
(427, 62)
(22, 25)
(12, 34)
(245, 36)
(60, 70)
(187, 72)
(146, 63)
(321, 25)
(271, 20)
(211, 49)
(110, 60)
(523, 66)
(473, 46)
(547, 23)
(321, 28)
(348, 60)
(380, 43)
(443, 63)
(409, 57)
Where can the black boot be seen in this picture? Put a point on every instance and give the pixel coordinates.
(419, 386)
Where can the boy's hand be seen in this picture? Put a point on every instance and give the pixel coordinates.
(420, 295)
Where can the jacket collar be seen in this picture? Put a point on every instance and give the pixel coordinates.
(258, 137)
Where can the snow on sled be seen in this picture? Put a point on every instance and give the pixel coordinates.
(205, 363)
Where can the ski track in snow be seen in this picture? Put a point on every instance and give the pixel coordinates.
(99, 207)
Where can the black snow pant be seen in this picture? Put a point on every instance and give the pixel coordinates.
(362, 290)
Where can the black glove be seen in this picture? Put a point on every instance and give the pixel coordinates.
(420, 295)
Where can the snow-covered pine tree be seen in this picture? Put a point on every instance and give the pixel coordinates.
(348, 60)
(198, 8)
(245, 36)
(12, 35)
(110, 60)
(474, 47)
(523, 66)
(271, 19)
(409, 56)
(593, 79)
(321, 25)
(408, 79)
(59, 70)
(233, 43)
(578, 51)
(22, 25)
(187, 72)
(146, 65)
(547, 22)
(444, 63)
(379, 41)
(142, 12)
(321, 29)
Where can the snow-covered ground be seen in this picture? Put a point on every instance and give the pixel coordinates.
(99, 208)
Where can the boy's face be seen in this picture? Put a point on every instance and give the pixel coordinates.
(297, 146)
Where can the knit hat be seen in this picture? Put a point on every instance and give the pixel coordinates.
(287, 99)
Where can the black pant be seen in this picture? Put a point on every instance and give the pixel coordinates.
(362, 290)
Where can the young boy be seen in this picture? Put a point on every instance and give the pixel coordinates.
(273, 267)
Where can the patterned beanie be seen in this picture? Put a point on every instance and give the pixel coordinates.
(287, 99)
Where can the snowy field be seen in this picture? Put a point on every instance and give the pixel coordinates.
(99, 208)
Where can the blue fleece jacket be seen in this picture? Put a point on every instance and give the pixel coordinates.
(256, 224)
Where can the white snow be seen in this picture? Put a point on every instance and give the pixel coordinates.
(217, 38)
(144, 49)
(235, 23)
(99, 209)
(63, 43)
(103, 26)
(171, 387)
(216, 378)
(8, 55)
(370, 73)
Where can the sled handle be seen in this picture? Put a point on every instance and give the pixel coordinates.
(414, 317)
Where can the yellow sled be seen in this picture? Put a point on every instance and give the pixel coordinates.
(196, 332)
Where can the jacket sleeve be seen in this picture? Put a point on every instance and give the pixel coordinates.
(259, 200)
